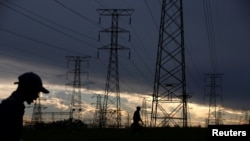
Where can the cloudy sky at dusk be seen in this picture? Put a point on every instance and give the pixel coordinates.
(38, 35)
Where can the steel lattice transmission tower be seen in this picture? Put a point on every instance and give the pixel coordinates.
(111, 110)
(212, 90)
(37, 112)
(37, 115)
(169, 104)
(144, 112)
(97, 114)
(77, 84)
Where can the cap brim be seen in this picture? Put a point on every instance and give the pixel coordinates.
(44, 90)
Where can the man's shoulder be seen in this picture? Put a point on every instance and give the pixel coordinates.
(8, 103)
(11, 108)
(9, 100)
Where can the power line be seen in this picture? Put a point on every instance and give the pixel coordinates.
(143, 48)
(35, 40)
(151, 14)
(80, 15)
(48, 20)
(210, 32)
(46, 25)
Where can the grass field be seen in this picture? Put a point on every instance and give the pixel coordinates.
(109, 134)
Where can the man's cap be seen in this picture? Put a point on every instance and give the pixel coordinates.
(33, 80)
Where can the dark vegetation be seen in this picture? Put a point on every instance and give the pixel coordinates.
(80, 132)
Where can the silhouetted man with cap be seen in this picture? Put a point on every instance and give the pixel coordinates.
(136, 126)
(12, 108)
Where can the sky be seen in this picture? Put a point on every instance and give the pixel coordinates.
(38, 35)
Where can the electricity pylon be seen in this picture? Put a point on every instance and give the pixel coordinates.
(111, 110)
(77, 84)
(212, 90)
(98, 111)
(37, 112)
(144, 112)
(169, 103)
(37, 115)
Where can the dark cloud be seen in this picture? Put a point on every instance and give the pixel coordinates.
(37, 35)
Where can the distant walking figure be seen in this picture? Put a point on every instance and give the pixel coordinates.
(136, 126)
(12, 108)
